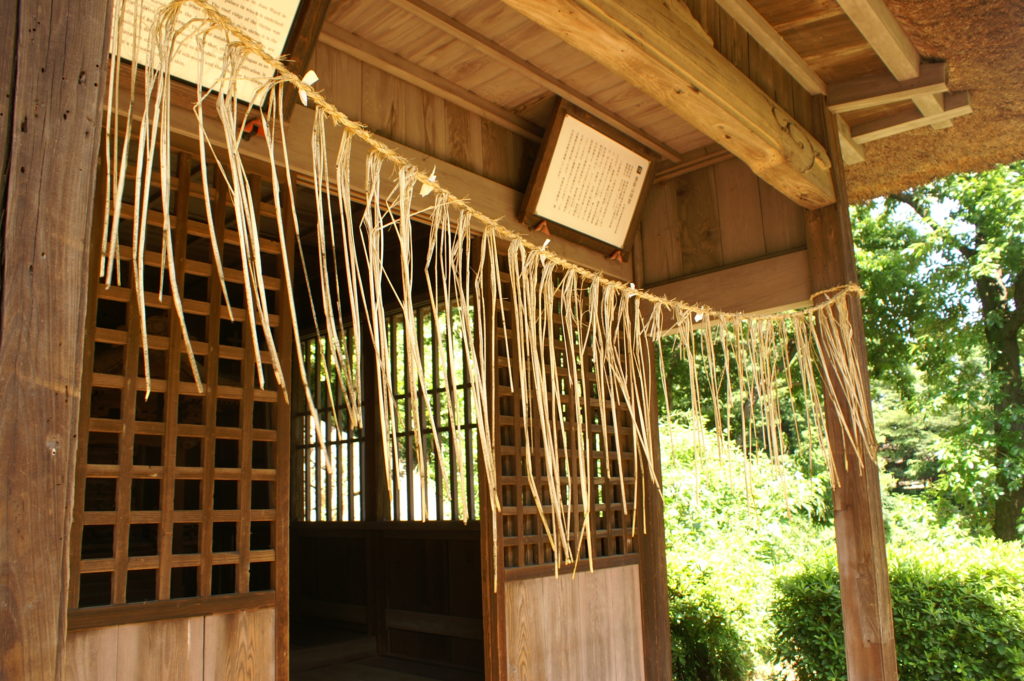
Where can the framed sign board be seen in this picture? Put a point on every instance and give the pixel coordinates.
(278, 25)
(589, 181)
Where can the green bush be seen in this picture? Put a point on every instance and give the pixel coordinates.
(958, 614)
(705, 644)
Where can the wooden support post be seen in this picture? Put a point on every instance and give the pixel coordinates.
(860, 536)
(53, 62)
(653, 570)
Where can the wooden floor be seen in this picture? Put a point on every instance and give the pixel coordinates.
(382, 669)
(323, 654)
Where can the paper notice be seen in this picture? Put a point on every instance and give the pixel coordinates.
(267, 21)
(593, 184)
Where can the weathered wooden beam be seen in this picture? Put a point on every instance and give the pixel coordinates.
(956, 104)
(372, 54)
(779, 282)
(661, 49)
(51, 101)
(860, 534)
(853, 151)
(875, 21)
(774, 44)
(867, 93)
(478, 41)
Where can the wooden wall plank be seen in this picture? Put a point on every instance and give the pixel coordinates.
(682, 229)
(662, 224)
(595, 636)
(783, 221)
(240, 645)
(91, 655)
(739, 208)
(51, 101)
(780, 282)
(165, 650)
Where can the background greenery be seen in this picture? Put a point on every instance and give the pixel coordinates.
(752, 567)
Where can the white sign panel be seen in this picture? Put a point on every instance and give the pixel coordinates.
(593, 183)
(267, 21)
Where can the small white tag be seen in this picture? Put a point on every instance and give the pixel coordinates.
(425, 188)
(309, 79)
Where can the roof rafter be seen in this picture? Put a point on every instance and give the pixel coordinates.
(866, 93)
(481, 43)
(774, 44)
(876, 22)
(954, 104)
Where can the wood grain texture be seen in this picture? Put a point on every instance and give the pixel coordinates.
(240, 646)
(739, 212)
(168, 650)
(653, 573)
(875, 21)
(91, 655)
(780, 282)
(51, 100)
(765, 34)
(662, 50)
(860, 533)
(582, 628)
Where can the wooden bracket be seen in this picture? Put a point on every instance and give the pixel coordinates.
(617, 255)
(542, 227)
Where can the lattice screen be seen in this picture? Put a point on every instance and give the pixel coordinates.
(177, 494)
(523, 546)
(330, 480)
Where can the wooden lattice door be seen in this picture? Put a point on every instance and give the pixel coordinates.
(587, 622)
(180, 532)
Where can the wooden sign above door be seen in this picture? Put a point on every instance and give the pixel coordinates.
(589, 181)
(268, 21)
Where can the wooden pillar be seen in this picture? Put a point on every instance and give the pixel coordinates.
(52, 82)
(860, 536)
(653, 571)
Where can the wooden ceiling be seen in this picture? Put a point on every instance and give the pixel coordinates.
(488, 57)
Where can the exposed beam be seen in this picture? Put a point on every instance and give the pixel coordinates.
(867, 93)
(774, 44)
(661, 49)
(954, 104)
(853, 151)
(691, 161)
(370, 53)
(885, 35)
(481, 43)
(879, 27)
(779, 282)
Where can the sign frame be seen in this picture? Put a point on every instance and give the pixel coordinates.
(542, 167)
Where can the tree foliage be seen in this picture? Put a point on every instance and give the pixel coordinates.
(943, 268)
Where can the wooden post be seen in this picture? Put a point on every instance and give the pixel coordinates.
(860, 536)
(653, 572)
(52, 81)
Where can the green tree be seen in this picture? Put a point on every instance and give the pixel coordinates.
(943, 268)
